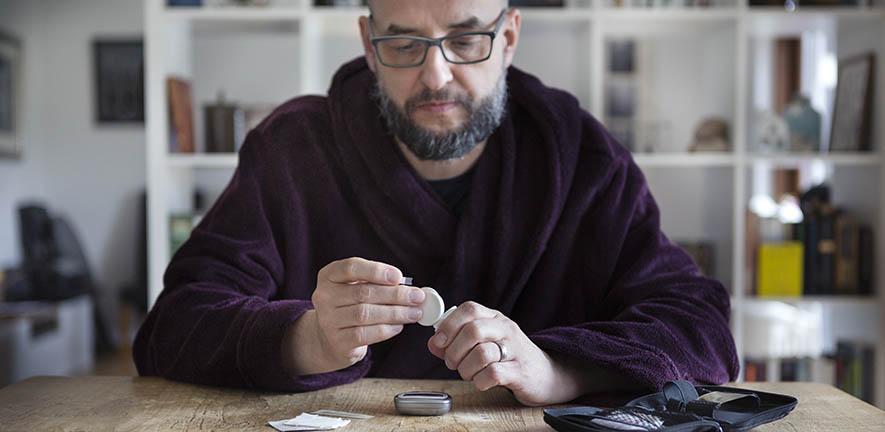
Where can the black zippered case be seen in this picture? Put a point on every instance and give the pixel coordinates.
(681, 406)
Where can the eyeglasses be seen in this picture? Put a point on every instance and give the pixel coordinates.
(411, 51)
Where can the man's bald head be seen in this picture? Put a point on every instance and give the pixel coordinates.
(372, 3)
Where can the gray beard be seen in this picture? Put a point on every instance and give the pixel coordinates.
(482, 120)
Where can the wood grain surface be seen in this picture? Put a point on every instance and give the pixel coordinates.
(155, 404)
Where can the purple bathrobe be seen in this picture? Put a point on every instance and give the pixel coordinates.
(560, 233)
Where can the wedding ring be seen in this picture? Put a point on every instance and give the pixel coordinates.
(505, 353)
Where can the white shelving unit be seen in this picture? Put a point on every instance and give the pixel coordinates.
(704, 56)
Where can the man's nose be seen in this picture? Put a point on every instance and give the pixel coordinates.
(436, 71)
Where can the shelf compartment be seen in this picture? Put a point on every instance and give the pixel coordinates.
(679, 160)
(234, 13)
(841, 159)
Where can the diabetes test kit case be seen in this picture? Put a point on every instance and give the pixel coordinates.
(681, 406)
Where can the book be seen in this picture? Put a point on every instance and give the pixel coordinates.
(754, 370)
(824, 275)
(180, 227)
(847, 251)
(866, 260)
(780, 270)
(181, 121)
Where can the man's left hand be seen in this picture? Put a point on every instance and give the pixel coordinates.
(489, 349)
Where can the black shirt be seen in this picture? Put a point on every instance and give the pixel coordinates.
(454, 191)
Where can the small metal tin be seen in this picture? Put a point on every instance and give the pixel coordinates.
(423, 403)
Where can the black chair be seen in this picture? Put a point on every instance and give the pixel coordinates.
(55, 268)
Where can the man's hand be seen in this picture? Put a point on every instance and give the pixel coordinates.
(469, 339)
(356, 303)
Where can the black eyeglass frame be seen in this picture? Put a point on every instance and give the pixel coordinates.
(437, 42)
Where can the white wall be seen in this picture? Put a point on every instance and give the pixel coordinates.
(91, 174)
(23, 178)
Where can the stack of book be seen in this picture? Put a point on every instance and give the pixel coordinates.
(855, 367)
(838, 252)
(828, 253)
(851, 368)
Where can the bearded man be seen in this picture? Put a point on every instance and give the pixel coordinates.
(433, 157)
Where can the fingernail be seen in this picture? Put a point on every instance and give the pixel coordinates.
(392, 276)
(416, 296)
(415, 314)
(439, 340)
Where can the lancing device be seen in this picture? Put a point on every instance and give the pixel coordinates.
(433, 309)
(433, 306)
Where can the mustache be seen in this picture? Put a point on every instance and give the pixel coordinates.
(444, 95)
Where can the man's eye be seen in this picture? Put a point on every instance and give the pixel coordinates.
(466, 42)
(405, 46)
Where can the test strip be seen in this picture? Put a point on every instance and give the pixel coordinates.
(342, 414)
(405, 281)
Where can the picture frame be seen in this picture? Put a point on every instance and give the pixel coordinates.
(850, 130)
(119, 81)
(10, 97)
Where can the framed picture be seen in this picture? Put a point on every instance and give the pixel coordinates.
(119, 81)
(851, 114)
(10, 97)
(621, 56)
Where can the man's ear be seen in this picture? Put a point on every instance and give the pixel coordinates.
(511, 35)
(368, 49)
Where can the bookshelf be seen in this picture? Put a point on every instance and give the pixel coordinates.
(703, 61)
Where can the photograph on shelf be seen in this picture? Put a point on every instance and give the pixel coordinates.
(621, 56)
(119, 81)
(852, 111)
(10, 97)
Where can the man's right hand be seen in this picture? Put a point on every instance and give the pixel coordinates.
(356, 303)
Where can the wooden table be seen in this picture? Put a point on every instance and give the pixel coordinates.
(134, 403)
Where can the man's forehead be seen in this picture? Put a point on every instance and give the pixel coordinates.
(401, 16)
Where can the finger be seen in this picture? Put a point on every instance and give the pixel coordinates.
(343, 295)
(372, 314)
(472, 334)
(495, 374)
(436, 351)
(478, 358)
(361, 270)
(466, 312)
(367, 335)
